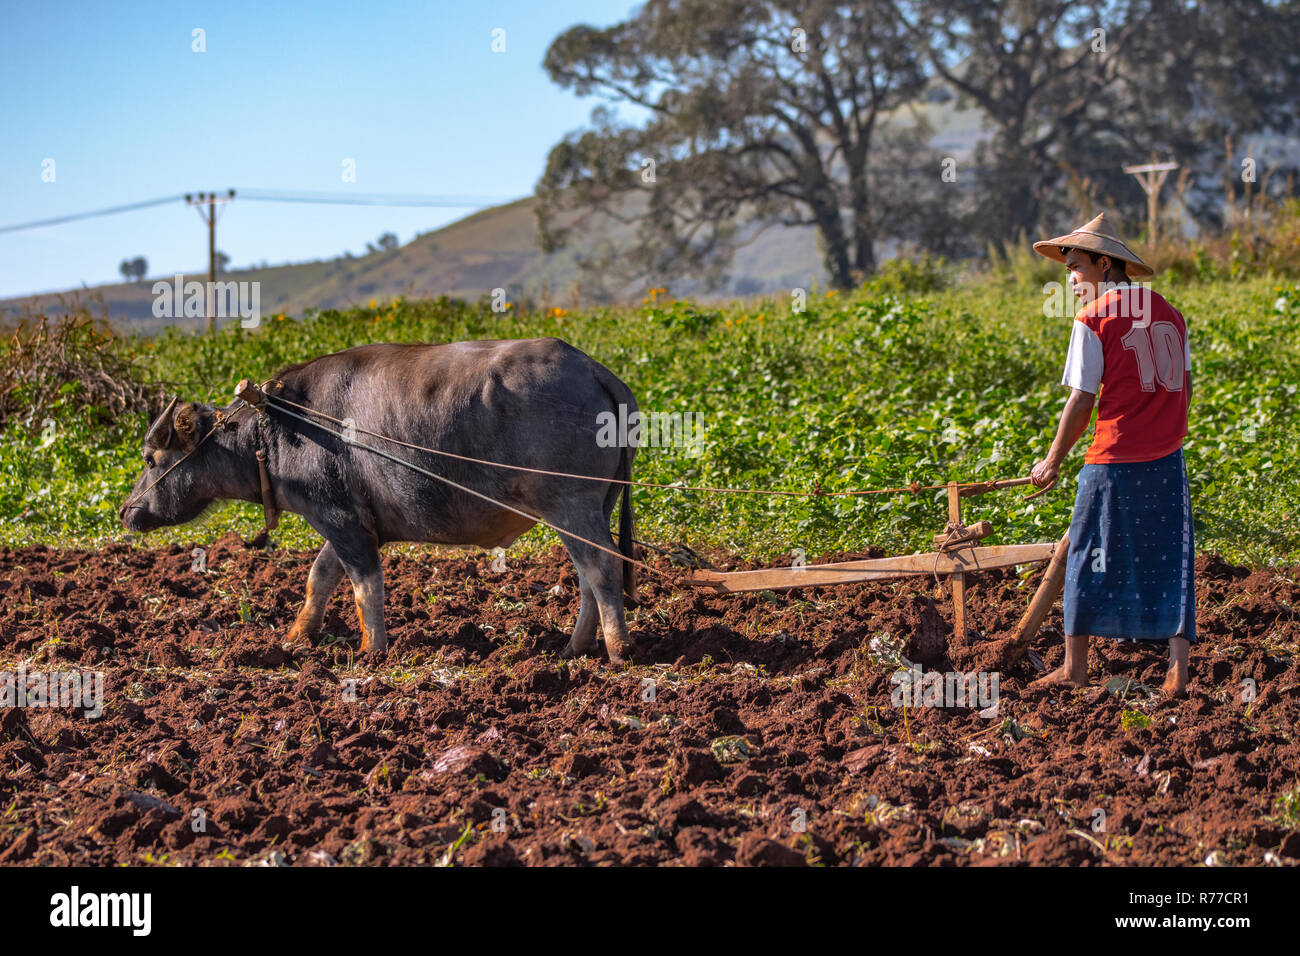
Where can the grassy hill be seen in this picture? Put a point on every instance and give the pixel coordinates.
(494, 248)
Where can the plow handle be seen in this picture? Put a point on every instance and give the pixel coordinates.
(1049, 590)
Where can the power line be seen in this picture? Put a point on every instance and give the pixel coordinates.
(113, 210)
(463, 202)
(256, 195)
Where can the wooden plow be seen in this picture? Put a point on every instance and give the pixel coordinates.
(958, 554)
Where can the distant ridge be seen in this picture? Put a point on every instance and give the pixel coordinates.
(490, 249)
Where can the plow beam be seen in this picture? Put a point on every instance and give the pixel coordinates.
(875, 569)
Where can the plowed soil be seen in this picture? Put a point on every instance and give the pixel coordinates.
(752, 729)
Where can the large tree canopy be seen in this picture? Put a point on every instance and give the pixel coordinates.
(1041, 77)
(1216, 71)
(761, 111)
(730, 115)
(1080, 89)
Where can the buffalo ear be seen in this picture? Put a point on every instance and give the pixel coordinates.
(186, 424)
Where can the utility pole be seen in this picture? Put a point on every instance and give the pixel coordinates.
(211, 201)
(1151, 176)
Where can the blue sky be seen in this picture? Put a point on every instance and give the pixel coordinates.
(115, 95)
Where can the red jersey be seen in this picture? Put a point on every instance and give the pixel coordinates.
(1129, 347)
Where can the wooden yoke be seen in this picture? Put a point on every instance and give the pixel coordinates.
(250, 393)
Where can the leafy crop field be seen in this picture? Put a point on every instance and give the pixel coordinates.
(874, 390)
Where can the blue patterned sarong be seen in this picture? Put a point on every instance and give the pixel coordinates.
(1130, 572)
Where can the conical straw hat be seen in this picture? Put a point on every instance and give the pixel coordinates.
(1096, 236)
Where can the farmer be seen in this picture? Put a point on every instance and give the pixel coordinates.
(1129, 571)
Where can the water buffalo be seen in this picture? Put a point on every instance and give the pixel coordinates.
(531, 402)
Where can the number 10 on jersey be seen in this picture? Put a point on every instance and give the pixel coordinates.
(1159, 351)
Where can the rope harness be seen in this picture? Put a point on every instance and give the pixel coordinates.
(260, 399)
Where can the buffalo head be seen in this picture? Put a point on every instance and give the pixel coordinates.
(187, 489)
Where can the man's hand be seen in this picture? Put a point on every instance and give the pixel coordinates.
(1044, 473)
(1074, 421)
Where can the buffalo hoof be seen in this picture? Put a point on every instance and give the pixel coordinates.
(374, 645)
(575, 650)
(620, 652)
(300, 636)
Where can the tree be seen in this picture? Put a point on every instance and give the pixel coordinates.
(755, 111)
(223, 262)
(387, 241)
(1039, 73)
(1075, 90)
(134, 270)
(1198, 95)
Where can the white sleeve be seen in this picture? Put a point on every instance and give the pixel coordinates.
(1085, 361)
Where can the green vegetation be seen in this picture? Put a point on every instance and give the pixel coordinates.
(873, 389)
(1134, 720)
(1286, 808)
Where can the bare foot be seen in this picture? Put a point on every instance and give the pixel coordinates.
(1058, 677)
(1175, 684)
